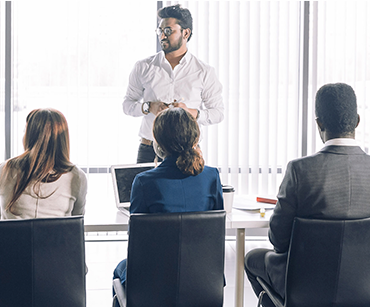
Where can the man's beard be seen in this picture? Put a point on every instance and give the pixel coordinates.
(172, 48)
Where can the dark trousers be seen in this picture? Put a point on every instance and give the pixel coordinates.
(254, 264)
(146, 154)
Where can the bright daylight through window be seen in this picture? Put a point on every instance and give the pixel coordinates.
(78, 57)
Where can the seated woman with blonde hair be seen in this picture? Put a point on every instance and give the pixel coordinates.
(42, 182)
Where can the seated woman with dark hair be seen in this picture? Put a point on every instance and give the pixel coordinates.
(181, 183)
(42, 182)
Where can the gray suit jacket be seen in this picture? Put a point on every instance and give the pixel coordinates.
(331, 184)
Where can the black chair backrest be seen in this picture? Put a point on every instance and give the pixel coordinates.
(42, 262)
(329, 263)
(176, 259)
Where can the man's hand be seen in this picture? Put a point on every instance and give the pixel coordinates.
(157, 106)
(182, 105)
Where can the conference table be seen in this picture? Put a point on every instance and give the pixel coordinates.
(244, 215)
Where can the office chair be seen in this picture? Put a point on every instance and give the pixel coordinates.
(42, 262)
(174, 259)
(328, 265)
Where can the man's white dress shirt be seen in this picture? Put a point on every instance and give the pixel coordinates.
(191, 82)
(342, 142)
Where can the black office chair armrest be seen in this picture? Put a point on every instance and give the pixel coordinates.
(120, 293)
(275, 298)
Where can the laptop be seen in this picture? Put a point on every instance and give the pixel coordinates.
(123, 177)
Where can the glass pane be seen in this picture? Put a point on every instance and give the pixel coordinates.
(76, 57)
(341, 53)
(254, 47)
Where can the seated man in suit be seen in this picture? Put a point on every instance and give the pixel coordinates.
(331, 184)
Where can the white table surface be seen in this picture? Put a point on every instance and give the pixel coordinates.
(111, 219)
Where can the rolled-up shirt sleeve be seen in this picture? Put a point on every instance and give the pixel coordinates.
(213, 111)
(134, 94)
(191, 82)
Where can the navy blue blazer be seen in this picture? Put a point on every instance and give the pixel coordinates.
(167, 189)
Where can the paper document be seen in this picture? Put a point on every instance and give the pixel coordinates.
(248, 202)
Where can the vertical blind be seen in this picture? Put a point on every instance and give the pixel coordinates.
(341, 53)
(255, 49)
(78, 56)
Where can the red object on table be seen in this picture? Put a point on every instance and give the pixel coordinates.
(266, 200)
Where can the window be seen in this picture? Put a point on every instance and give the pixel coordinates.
(340, 52)
(77, 57)
(255, 48)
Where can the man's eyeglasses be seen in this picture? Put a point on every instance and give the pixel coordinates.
(166, 31)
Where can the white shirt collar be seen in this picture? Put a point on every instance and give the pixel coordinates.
(184, 60)
(341, 142)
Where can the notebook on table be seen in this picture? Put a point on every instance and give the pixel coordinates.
(123, 177)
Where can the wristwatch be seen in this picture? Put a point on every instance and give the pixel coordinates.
(145, 107)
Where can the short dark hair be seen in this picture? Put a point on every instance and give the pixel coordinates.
(177, 133)
(183, 16)
(336, 108)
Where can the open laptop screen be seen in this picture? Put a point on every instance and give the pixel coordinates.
(123, 177)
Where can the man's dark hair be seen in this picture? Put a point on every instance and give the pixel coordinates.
(336, 108)
(182, 15)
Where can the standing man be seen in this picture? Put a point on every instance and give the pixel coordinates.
(172, 78)
(331, 184)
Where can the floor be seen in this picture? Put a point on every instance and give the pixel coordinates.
(103, 254)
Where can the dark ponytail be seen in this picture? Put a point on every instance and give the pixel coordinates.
(191, 162)
(177, 133)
